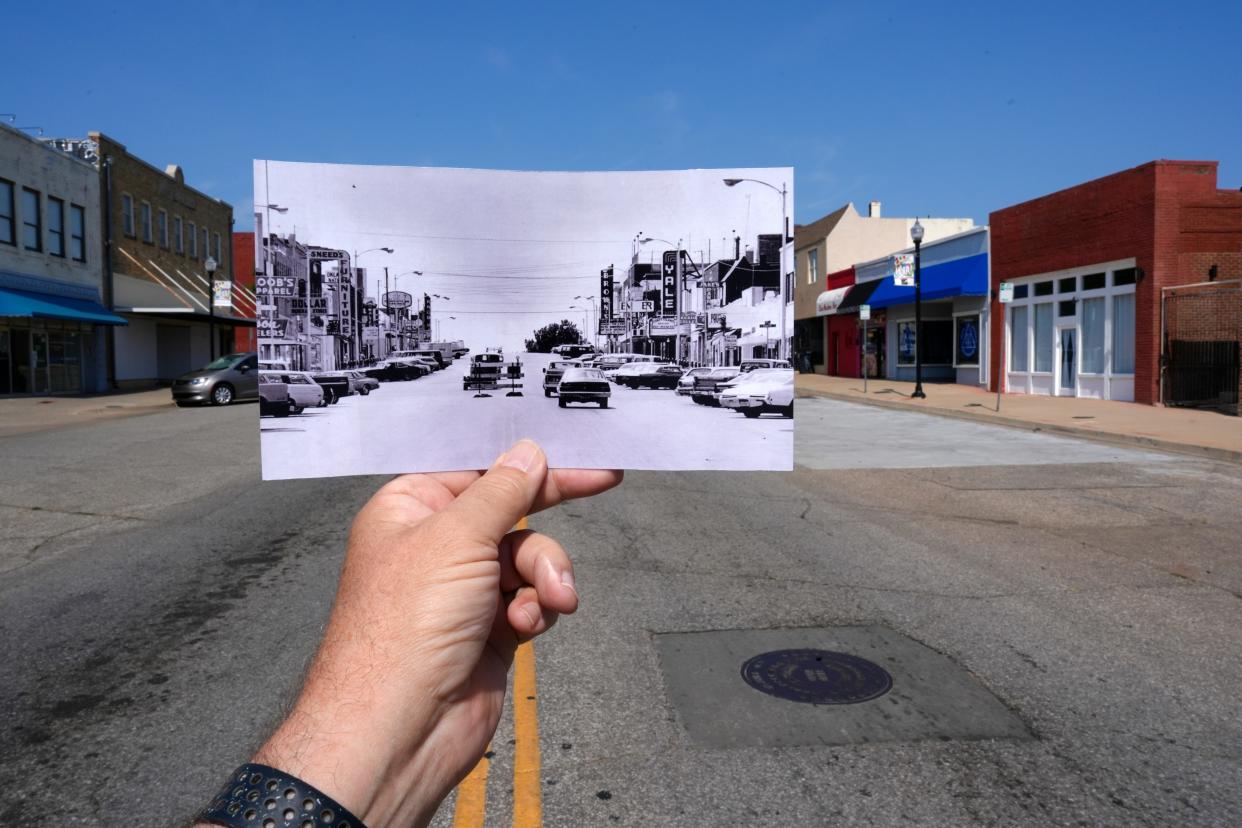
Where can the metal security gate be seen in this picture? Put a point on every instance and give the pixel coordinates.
(1202, 345)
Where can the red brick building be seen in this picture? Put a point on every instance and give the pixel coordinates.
(1113, 274)
(245, 339)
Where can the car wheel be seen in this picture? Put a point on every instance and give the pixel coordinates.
(562, 403)
(603, 403)
(222, 394)
(751, 413)
(282, 410)
(787, 411)
(296, 409)
(364, 391)
(547, 393)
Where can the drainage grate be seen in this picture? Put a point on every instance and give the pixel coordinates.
(816, 676)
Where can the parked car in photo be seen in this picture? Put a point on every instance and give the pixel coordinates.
(395, 370)
(655, 375)
(572, 351)
(626, 373)
(273, 395)
(303, 391)
(760, 392)
(552, 374)
(335, 386)
(685, 385)
(427, 363)
(707, 386)
(485, 369)
(222, 381)
(363, 383)
(749, 365)
(583, 385)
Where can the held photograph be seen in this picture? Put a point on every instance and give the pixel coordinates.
(418, 319)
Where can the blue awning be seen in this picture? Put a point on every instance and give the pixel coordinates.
(960, 277)
(47, 306)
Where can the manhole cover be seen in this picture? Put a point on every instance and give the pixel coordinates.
(816, 676)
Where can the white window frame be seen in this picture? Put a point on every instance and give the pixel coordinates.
(129, 224)
(812, 266)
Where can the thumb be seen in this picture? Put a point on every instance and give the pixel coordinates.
(494, 503)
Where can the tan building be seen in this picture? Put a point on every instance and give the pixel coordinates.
(161, 233)
(52, 318)
(836, 242)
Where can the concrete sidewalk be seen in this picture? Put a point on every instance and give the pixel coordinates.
(1204, 433)
(25, 415)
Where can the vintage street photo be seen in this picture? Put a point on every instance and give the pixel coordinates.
(417, 319)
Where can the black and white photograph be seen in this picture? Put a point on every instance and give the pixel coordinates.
(416, 319)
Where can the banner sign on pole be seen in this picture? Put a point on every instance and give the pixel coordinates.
(668, 288)
(605, 294)
(903, 270)
(222, 293)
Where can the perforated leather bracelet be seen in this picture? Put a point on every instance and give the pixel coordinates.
(258, 796)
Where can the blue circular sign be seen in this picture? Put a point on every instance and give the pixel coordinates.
(968, 338)
(816, 676)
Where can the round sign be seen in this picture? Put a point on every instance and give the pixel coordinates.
(816, 676)
(398, 299)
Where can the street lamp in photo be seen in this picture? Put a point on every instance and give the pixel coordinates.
(591, 326)
(210, 266)
(916, 235)
(783, 190)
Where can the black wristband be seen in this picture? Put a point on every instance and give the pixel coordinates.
(258, 796)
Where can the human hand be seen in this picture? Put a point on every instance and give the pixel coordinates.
(436, 592)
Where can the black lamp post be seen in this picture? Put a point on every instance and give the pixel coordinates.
(916, 235)
(210, 267)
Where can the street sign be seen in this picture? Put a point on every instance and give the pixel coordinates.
(1006, 292)
(605, 294)
(284, 286)
(903, 270)
(616, 327)
(864, 311)
(397, 299)
(645, 306)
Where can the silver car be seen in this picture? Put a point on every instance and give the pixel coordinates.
(303, 392)
(229, 378)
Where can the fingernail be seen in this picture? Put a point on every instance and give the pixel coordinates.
(567, 579)
(532, 617)
(521, 456)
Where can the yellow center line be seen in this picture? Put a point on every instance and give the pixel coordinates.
(472, 796)
(527, 797)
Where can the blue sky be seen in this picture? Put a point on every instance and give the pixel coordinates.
(945, 109)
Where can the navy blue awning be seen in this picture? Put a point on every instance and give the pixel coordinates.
(47, 306)
(959, 277)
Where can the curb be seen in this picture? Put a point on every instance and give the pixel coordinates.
(1110, 437)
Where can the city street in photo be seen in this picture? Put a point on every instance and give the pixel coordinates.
(416, 319)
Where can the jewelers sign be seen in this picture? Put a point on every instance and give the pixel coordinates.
(272, 328)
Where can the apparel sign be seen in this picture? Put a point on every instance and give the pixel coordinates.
(605, 294)
(903, 270)
(276, 285)
(668, 288)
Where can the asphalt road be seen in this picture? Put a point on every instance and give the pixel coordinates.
(432, 423)
(157, 604)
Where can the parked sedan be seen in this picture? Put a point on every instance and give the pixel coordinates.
(685, 385)
(583, 385)
(626, 373)
(364, 384)
(273, 395)
(303, 391)
(335, 385)
(655, 376)
(553, 373)
(761, 391)
(707, 386)
(220, 382)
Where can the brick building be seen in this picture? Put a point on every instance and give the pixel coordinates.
(244, 301)
(158, 235)
(1099, 270)
(52, 320)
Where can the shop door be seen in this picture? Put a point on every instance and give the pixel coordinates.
(1067, 376)
(39, 383)
(835, 355)
(172, 349)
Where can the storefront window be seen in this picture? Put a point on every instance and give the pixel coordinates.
(1093, 336)
(967, 339)
(906, 343)
(1043, 336)
(1019, 335)
(1123, 334)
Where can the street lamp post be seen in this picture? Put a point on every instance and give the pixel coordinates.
(733, 182)
(210, 266)
(916, 235)
(593, 326)
(767, 337)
